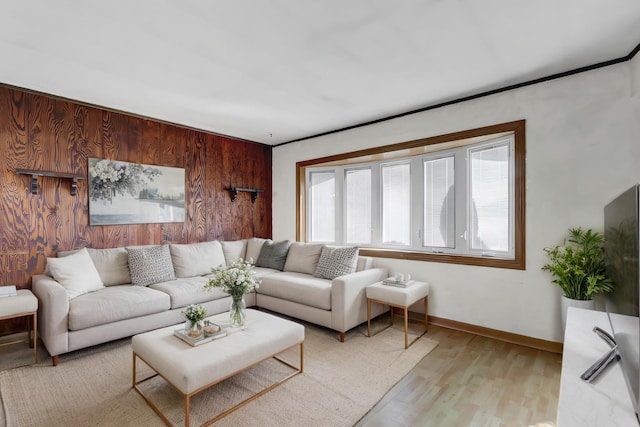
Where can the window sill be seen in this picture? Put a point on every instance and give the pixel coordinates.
(514, 264)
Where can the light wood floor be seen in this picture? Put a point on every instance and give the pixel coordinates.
(473, 381)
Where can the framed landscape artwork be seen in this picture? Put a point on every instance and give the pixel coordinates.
(132, 193)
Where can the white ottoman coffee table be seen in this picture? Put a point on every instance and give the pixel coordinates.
(191, 370)
(403, 298)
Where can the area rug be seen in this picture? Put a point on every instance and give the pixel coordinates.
(340, 384)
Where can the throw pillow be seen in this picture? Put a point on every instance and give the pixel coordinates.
(273, 255)
(112, 265)
(60, 254)
(254, 245)
(150, 264)
(336, 261)
(76, 273)
(196, 259)
(303, 257)
(234, 250)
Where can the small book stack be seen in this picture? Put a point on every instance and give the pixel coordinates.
(8, 291)
(392, 281)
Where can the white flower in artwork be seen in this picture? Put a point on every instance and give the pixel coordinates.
(108, 178)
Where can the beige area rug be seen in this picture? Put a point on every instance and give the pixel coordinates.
(15, 352)
(340, 384)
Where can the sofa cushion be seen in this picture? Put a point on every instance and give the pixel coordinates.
(185, 291)
(150, 264)
(115, 303)
(196, 259)
(112, 265)
(76, 273)
(234, 250)
(273, 255)
(263, 271)
(336, 261)
(298, 287)
(254, 245)
(303, 257)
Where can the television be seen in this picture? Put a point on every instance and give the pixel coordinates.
(621, 234)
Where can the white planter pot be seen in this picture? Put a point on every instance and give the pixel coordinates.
(565, 303)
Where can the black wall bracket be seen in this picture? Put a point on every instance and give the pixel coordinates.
(233, 192)
(36, 173)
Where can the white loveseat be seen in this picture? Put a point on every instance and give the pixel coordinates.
(137, 289)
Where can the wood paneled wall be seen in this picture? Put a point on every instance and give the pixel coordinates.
(39, 132)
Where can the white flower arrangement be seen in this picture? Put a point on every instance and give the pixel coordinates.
(236, 279)
(195, 313)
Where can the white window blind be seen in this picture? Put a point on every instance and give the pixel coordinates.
(490, 198)
(358, 206)
(396, 204)
(439, 199)
(322, 192)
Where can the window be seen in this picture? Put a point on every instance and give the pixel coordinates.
(358, 206)
(439, 194)
(396, 204)
(455, 198)
(490, 198)
(322, 201)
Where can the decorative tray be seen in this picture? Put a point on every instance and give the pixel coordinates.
(202, 339)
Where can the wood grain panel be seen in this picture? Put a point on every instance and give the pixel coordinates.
(88, 141)
(40, 132)
(196, 186)
(14, 268)
(237, 165)
(14, 230)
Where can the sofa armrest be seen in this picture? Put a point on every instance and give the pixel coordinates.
(349, 297)
(53, 314)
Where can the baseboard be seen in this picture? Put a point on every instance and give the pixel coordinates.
(538, 344)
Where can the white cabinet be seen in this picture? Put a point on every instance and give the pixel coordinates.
(605, 401)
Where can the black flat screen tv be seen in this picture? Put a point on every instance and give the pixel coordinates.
(621, 219)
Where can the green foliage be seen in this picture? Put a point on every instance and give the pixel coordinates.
(578, 266)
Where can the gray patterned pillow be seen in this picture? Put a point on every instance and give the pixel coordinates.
(335, 262)
(273, 255)
(151, 264)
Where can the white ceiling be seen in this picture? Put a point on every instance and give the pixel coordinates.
(278, 70)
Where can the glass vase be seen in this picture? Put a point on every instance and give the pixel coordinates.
(237, 312)
(193, 329)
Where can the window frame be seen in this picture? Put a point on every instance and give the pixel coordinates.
(433, 145)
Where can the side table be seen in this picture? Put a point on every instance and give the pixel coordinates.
(21, 305)
(402, 298)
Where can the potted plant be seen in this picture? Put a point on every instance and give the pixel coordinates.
(195, 314)
(578, 268)
(236, 279)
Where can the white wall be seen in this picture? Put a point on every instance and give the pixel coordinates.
(635, 96)
(582, 150)
(635, 77)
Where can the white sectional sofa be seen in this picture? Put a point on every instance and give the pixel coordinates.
(92, 296)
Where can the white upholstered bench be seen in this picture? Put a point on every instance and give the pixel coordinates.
(191, 370)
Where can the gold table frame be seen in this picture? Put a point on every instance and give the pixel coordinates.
(32, 331)
(187, 397)
(405, 309)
